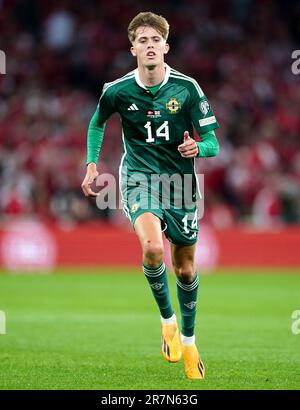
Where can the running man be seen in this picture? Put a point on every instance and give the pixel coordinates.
(158, 107)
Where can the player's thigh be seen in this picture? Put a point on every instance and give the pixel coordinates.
(148, 229)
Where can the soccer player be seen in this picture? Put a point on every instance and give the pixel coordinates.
(158, 107)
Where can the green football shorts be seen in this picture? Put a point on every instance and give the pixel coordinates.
(179, 225)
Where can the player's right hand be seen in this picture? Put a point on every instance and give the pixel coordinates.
(91, 175)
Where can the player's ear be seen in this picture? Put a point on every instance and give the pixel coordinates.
(167, 48)
(133, 51)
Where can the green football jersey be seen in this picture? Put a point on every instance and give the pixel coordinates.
(153, 125)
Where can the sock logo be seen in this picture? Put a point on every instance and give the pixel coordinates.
(157, 285)
(190, 305)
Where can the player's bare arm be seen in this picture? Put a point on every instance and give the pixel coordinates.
(189, 148)
(91, 175)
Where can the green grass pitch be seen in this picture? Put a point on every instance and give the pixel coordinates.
(80, 330)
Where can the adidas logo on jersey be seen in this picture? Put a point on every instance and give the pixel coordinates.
(133, 107)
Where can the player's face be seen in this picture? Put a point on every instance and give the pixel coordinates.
(149, 47)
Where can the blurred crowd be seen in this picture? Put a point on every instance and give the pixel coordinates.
(59, 54)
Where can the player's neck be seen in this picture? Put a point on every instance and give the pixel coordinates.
(152, 76)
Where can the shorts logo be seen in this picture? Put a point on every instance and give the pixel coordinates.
(134, 208)
(173, 105)
(204, 107)
(157, 285)
(190, 305)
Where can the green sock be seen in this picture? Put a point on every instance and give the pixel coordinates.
(158, 281)
(187, 297)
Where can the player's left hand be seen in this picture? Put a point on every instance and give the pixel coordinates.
(189, 148)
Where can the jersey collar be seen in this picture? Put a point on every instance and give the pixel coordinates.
(139, 82)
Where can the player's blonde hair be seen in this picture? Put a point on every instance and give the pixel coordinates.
(159, 23)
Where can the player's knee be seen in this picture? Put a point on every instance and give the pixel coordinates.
(153, 252)
(185, 274)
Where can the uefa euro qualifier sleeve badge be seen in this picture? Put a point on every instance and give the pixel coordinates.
(173, 105)
(204, 107)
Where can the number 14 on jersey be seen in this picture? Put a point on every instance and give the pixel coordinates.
(162, 131)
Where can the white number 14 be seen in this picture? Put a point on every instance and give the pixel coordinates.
(162, 131)
(194, 222)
